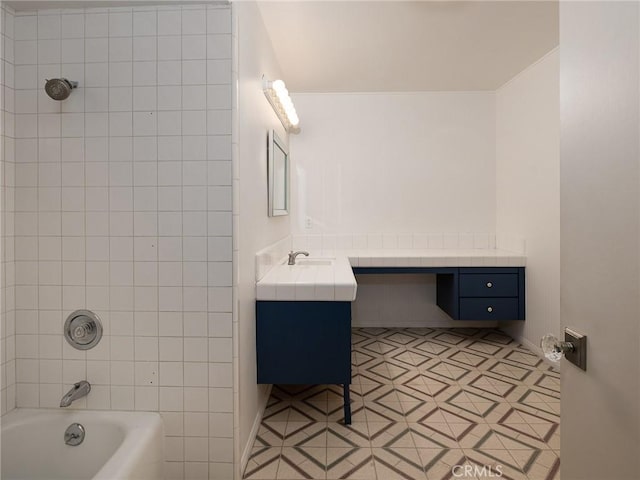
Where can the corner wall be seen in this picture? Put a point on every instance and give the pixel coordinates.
(253, 229)
(7, 181)
(528, 189)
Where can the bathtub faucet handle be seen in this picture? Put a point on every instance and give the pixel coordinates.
(79, 390)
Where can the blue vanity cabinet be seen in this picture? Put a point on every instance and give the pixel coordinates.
(471, 293)
(304, 343)
(483, 293)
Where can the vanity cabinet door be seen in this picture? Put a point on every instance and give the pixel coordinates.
(303, 343)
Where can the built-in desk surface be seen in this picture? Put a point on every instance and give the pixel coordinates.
(338, 283)
(434, 258)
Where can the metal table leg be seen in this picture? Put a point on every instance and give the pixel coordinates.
(347, 404)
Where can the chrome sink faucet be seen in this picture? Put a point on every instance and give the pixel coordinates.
(79, 390)
(293, 255)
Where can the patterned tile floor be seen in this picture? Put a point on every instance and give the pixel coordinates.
(427, 404)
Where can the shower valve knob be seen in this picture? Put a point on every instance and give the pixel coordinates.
(82, 331)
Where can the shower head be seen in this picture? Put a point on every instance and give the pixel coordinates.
(59, 88)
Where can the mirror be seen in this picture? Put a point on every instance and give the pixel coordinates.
(278, 172)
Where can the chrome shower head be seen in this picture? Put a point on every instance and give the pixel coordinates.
(59, 88)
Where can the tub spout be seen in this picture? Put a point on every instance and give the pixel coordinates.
(79, 390)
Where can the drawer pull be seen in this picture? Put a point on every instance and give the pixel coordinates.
(489, 309)
(489, 284)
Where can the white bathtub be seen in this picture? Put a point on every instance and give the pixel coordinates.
(117, 445)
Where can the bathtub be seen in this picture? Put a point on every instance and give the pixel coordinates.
(117, 445)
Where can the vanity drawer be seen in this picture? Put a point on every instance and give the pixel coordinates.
(489, 308)
(488, 284)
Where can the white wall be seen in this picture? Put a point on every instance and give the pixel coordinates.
(123, 206)
(528, 188)
(395, 163)
(254, 230)
(600, 236)
(7, 180)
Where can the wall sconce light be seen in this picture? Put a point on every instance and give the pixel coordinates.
(278, 96)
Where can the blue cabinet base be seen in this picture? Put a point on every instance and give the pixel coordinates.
(305, 343)
(471, 293)
(483, 293)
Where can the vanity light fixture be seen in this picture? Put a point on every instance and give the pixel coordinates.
(278, 96)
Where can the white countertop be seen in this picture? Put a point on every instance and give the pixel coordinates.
(300, 282)
(336, 282)
(478, 257)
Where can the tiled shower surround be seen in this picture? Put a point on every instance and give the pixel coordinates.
(124, 206)
(7, 177)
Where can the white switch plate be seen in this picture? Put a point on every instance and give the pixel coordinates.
(308, 222)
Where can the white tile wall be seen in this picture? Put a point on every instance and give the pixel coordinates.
(271, 255)
(124, 207)
(327, 243)
(7, 202)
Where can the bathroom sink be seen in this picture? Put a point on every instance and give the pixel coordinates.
(314, 261)
(312, 278)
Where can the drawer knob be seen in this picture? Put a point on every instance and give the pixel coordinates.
(489, 309)
(489, 284)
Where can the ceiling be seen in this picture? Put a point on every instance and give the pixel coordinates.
(398, 46)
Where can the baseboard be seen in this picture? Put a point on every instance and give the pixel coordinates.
(246, 453)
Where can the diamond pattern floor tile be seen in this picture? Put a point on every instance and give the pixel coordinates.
(350, 463)
(398, 463)
(425, 403)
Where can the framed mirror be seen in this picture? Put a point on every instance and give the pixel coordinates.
(278, 173)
